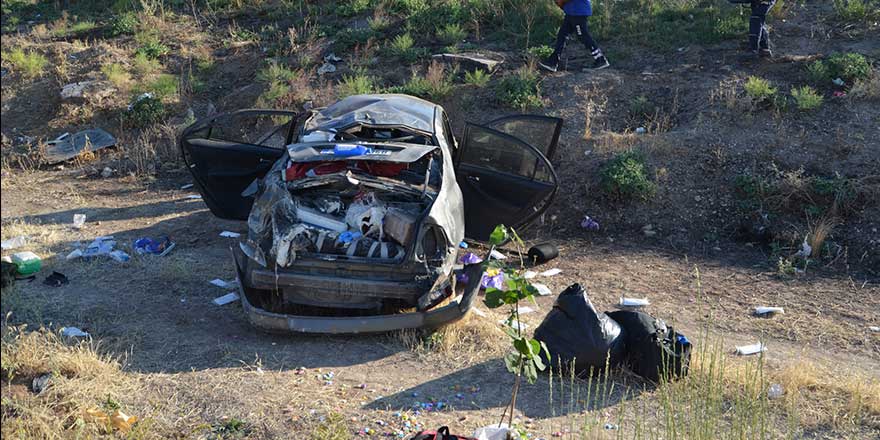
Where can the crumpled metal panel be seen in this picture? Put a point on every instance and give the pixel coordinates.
(381, 109)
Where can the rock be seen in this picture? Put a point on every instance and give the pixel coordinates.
(106, 172)
(40, 383)
(326, 68)
(472, 60)
(332, 58)
(88, 90)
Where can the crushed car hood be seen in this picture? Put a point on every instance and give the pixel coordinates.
(386, 110)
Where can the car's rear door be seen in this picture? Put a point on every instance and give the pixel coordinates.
(227, 152)
(503, 179)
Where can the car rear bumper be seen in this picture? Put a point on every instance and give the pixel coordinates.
(432, 318)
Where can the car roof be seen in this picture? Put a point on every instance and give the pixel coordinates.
(380, 109)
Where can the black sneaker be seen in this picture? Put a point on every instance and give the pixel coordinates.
(600, 63)
(549, 65)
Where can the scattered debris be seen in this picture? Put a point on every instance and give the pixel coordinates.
(641, 130)
(463, 245)
(226, 299)
(107, 172)
(542, 289)
(27, 263)
(230, 234)
(746, 350)
(874, 328)
(56, 279)
(497, 255)
(470, 258)
(79, 220)
(611, 426)
(41, 382)
(839, 94)
(223, 284)
(838, 82)
(805, 251)
(194, 197)
(332, 58)
(187, 186)
(117, 419)
(768, 311)
(99, 247)
(775, 391)
(648, 230)
(525, 310)
(14, 243)
(119, 256)
(529, 274)
(479, 312)
(147, 245)
(472, 60)
(76, 253)
(542, 253)
(67, 146)
(93, 90)
(634, 302)
(493, 432)
(551, 272)
(589, 224)
(326, 68)
(73, 332)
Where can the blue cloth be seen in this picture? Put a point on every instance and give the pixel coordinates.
(578, 8)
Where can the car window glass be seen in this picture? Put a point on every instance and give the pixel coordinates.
(537, 132)
(450, 136)
(491, 150)
(266, 130)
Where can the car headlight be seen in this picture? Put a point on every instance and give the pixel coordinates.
(433, 244)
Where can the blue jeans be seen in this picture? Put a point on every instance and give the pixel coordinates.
(759, 38)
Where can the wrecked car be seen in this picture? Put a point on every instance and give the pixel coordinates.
(355, 212)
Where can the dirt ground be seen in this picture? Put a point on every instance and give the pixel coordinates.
(196, 363)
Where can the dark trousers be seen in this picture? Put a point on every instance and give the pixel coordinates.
(575, 24)
(759, 38)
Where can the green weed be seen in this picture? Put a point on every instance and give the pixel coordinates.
(759, 90)
(358, 83)
(521, 90)
(28, 64)
(142, 65)
(625, 176)
(145, 111)
(478, 78)
(402, 47)
(849, 66)
(434, 85)
(806, 98)
(150, 45)
(818, 72)
(451, 33)
(540, 52)
(116, 74)
(124, 24)
(855, 10)
(164, 86)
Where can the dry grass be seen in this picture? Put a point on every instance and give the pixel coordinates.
(819, 232)
(471, 337)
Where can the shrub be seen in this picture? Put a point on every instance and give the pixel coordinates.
(163, 86)
(434, 85)
(274, 72)
(354, 7)
(641, 106)
(150, 45)
(357, 84)
(145, 110)
(818, 72)
(852, 10)
(402, 47)
(806, 98)
(124, 24)
(142, 65)
(478, 78)
(521, 90)
(759, 89)
(625, 177)
(116, 74)
(451, 33)
(349, 38)
(540, 52)
(29, 64)
(849, 66)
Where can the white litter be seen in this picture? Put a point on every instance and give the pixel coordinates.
(746, 350)
(520, 326)
(526, 309)
(497, 255)
(14, 243)
(222, 284)
(79, 220)
(194, 197)
(493, 432)
(634, 302)
(226, 299)
(806, 250)
(874, 328)
(120, 256)
(775, 391)
(74, 255)
(479, 312)
(73, 332)
(230, 234)
(542, 289)
(187, 186)
(768, 310)
(551, 272)
(529, 274)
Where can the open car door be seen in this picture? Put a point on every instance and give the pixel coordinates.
(503, 180)
(227, 152)
(541, 132)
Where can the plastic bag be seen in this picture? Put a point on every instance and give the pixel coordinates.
(575, 332)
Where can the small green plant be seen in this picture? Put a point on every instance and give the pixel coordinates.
(640, 107)
(349, 38)
(478, 78)
(164, 86)
(28, 64)
(116, 74)
(145, 110)
(525, 357)
(521, 90)
(402, 47)
(358, 83)
(818, 73)
(274, 72)
(849, 66)
(150, 45)
(625, 176)
(785, 267)
(142, 65)
(540, 52)
(807, 98)
(451, 33)
(351, 8)
(853, 10)
(759, 89)
(124, 24)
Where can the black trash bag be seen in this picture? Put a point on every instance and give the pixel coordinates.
(574, 332)
(655, 351)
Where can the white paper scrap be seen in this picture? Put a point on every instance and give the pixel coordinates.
(745, 350)
(542, 289)
(226, 299)
(529, 274)
(230, 234)
(194, 196)
(497, 255)
(551, 272)
(768, 310)
(634, 302)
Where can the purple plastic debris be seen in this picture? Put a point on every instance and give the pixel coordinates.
(496, 281)
(462, 278)
(471, 258)
(589, 224)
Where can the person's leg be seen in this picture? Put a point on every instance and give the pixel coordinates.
(757, 28)
(561, 37)
(764, 43)
(582, 29)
